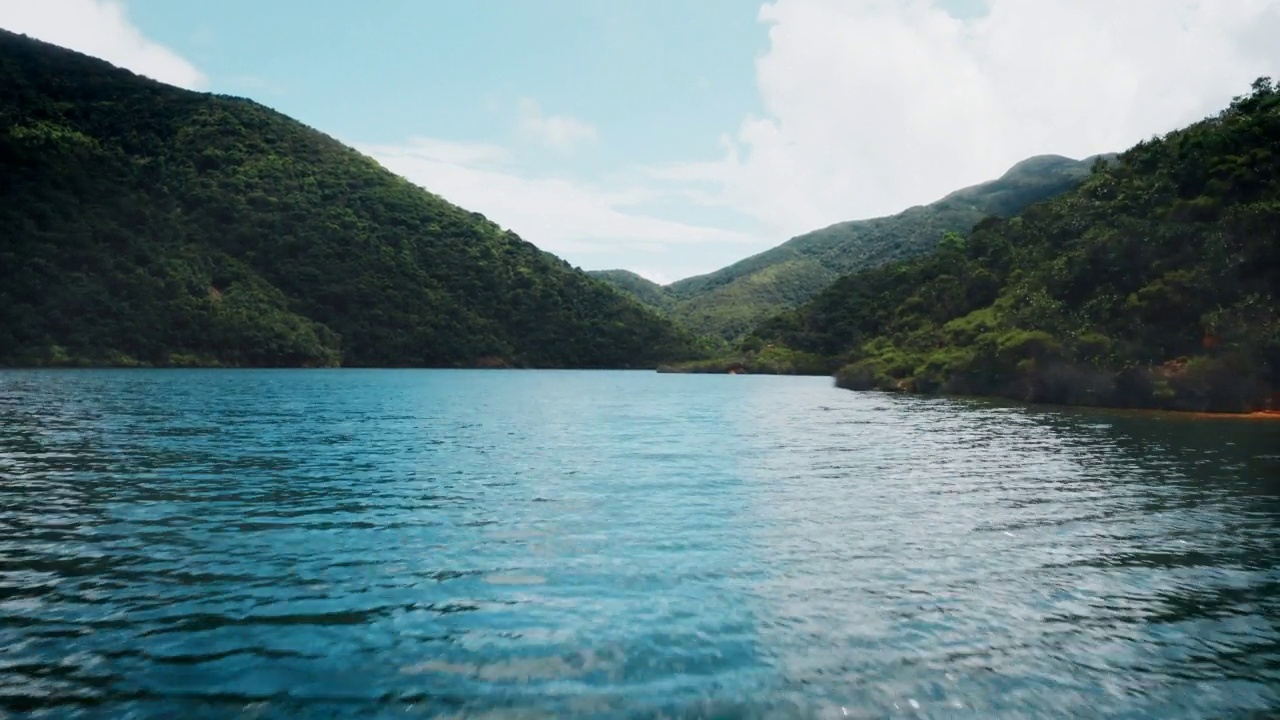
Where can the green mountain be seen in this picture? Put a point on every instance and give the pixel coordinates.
(151, 225)
(645, 291)
(1154, 284)
(730, 302)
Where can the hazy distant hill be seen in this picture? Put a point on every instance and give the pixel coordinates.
(733, 300)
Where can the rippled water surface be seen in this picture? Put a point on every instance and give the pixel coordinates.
(319, 544)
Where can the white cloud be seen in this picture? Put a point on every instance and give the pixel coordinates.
(872, 106)
(558, 132)
(447, 153)
(100, 28)
(596, 226)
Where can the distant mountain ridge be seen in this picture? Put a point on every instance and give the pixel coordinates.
(148, 225)
(732, 301)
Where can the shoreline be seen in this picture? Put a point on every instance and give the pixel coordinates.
(143, 368)
(1252, 415)
(1263, 415)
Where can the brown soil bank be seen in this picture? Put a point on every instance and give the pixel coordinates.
(1273, 415)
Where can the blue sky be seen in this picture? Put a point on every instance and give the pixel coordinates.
(673, 137)
(666, 75)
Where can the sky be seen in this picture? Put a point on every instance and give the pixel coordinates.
(673, 137)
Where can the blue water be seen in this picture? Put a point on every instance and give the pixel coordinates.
(333, 544)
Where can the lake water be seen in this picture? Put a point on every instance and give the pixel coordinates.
(331, 544)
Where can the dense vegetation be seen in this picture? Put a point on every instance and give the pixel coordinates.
(143, 224)
(643, 290)
(772, 359)
(1154, 284)
(732, 301)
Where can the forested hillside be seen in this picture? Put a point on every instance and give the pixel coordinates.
(144, 224)
(1154, 284)
(734, 300)
(646, 291)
